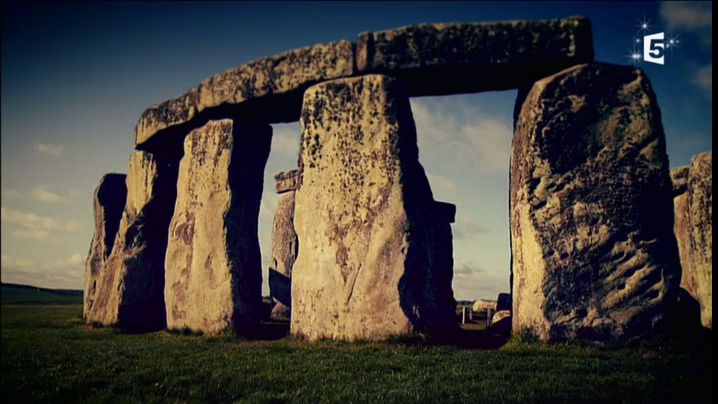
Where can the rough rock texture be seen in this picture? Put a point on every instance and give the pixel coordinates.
(594, 257)
(214, 273)
(483, 304)
(278, 80)
(109, 202)
(500, 315)
(437, 59)
(130, 288)
(442, 255)
(366, 267)
(503, 302)
(693, 226)
(285, 244)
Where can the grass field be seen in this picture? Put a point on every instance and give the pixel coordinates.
(49, 355)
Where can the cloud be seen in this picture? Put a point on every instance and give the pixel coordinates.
(438, 182)
(704, 80)
(66, 273)
(466, 227)
(47, 148)
(461, 135)
(689, 17)
(37, 227)
(42, 194)
(286, 142)
(471, 281)
(14, 194)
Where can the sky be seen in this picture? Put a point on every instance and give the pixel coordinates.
(77, 76)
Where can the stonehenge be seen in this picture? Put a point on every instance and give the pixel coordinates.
(109, 201)
(213, 266)
(285, 245)
(363, 217)
(131, 283)
(693, 205)
(360, 248)
(589, 176)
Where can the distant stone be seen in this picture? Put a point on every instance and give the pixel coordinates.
(483, 305)
(285, 244)
(443, 256)
(440, 59)
(278, 81)
(445, 212)
(363, 218)
(214, 273)
(592, 258)
(679, 179)
(693, 226)
(130, 288)
(285, 181)
(503, 302)
(500, 315)
(108, 203)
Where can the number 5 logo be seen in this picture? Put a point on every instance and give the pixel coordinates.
(654, 48)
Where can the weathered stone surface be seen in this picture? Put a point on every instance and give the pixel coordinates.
(483, 304)
(365, 268)
(693, 226)
(285, 181)
(130, 293)
(442, 256)
(593, 258)
(214, 273)
(679, 179)
(438, 59)
(500, 315)
(285, 244)
(279, 80)
(108, 204)
(503, 302)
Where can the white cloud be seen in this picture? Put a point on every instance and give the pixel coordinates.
(285, 140)
(47, 148)
(472, 282)
(14, 194)
(465, 227)
(42, 194)
(37, 227)
(689, 16)
(704, 80)
(438, 182)
(462, 135)
(67, 273)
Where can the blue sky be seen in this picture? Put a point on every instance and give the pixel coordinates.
(77, 76)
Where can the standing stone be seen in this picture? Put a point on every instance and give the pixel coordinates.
(443, 256)
(214, 273)
(285, 244)
(109, 202)
(366, 267)
(594, 257)
(132, 281)
(693, 226)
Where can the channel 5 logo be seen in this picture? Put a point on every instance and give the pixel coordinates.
(654, 48)
(655, 45)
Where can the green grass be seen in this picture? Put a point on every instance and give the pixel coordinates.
(49, 355)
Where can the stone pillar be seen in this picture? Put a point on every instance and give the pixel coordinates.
(130, 287)
(214, 274)
(693, 226)
(108, 203)
(593, 254)
(366, 267)
(443, 257)
(285, 244)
